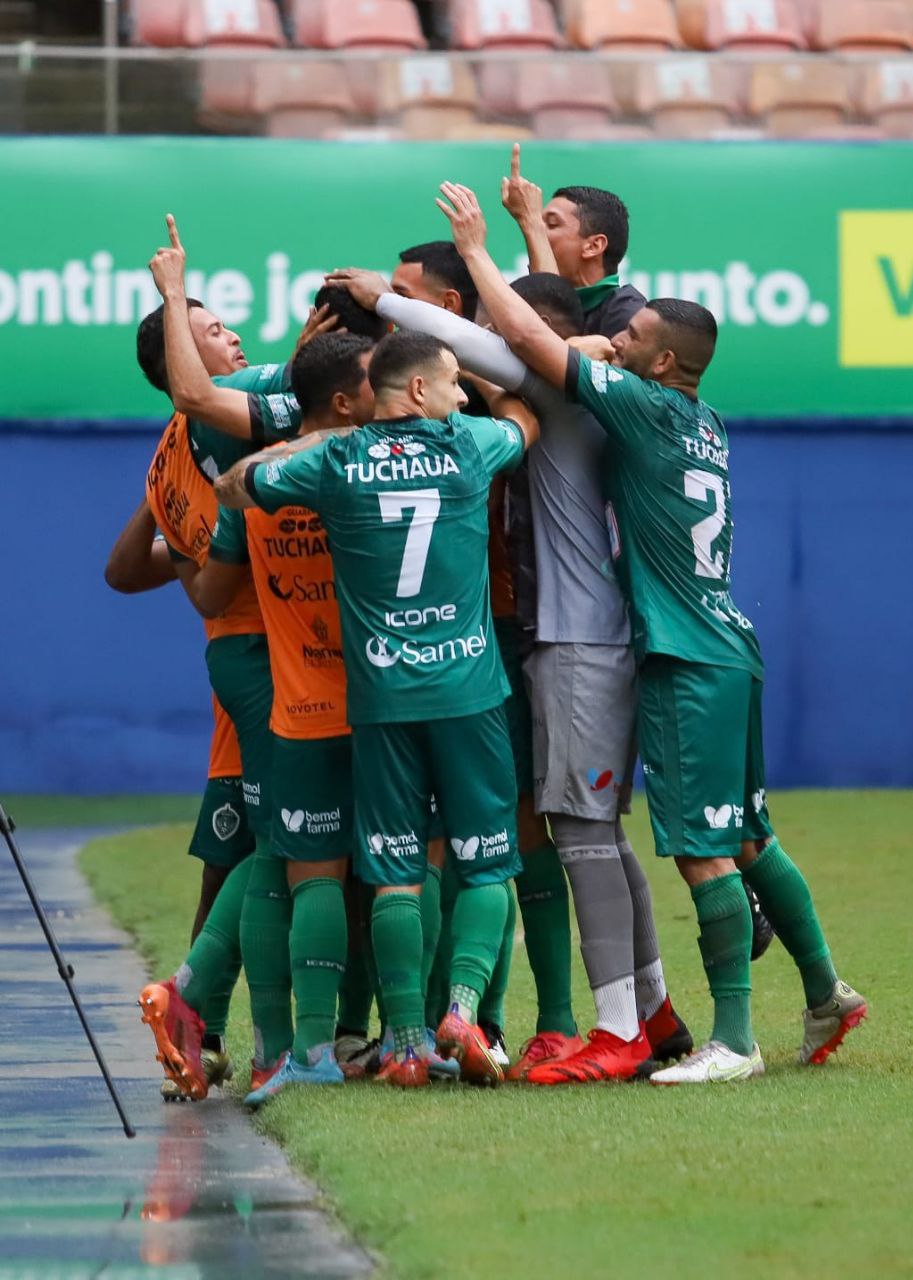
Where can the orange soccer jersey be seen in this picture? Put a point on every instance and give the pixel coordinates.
(224, 751)
(183, 502)
(293, 575)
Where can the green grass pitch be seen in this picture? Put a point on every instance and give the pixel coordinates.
(803, 1173)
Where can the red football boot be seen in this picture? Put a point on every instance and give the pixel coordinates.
(457, 1038)
(604, 1057)
(669, 1038)
(178, 1032)
(547, 1046)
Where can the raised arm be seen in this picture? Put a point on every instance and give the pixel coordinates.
(528, 336)
(523, 201)
(137, 561)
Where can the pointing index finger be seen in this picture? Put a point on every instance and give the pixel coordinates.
(173, 231)
(515, 161)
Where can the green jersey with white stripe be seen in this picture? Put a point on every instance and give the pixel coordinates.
(405, 506)
(669, 516)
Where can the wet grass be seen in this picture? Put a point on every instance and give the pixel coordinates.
(805, 1172)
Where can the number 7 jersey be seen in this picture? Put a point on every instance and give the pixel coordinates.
(405, 506)
(669, 515)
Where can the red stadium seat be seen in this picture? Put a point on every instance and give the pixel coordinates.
(432, 95)
(503, 24)
(162, 23)
(348, 24)
(227, 92)
(688, 97)
(565, 97)
(691, 16)
(864, 26)
(302, 99)
(755, 25)
(799, 99)
(887, 97)
(640, 25)
(240, 22)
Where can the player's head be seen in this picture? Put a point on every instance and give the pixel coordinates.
(587, 228)
(553, 299)
(435, 272)
(219, 348)
(412, 373)
(669, 341)
(350, 315)
(330, 380)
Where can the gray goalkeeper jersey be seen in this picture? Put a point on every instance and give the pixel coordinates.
(578, 597)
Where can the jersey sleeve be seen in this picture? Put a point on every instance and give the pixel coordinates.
(258, 379)
(229, 538)
(273, 417)
(287, 482)
(618, 400)
(499, 440)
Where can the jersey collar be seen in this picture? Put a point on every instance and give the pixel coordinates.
(593, 295)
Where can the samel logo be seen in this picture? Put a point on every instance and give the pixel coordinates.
(876, 289)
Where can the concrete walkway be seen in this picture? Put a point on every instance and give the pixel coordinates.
(196, 1194)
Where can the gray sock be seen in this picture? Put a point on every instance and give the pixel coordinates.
(648, 970)
(602, 899)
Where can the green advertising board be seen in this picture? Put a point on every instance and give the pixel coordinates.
(803, 251)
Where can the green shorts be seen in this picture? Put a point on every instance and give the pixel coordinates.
(240, 677)
(222, 837)
(465, 763)
(519, 715)
(311, 788)
(699, 730)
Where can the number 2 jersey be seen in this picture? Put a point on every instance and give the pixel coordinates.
(669, 515)
(405, 504)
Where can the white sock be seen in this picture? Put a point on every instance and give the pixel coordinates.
(650, 988)
(616, 1008)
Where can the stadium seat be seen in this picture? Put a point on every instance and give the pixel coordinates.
(798, 99)
(432, 95)
(502, 24)
(691, 16)
(565, 98)
(689, 97)
(356, 24)
(864, 26)
(754, 25)
(227, 93)
(240, 22)
(302, 99)
(162, 23)
(640, 25)
(887, 97)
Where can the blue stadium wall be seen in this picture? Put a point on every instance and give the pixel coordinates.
(107, 693)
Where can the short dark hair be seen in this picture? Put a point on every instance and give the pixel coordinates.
(601, 213)
(548, 292)
(352, 316)
(150, 345)
(440, 259)
(401, 355)
(327, 364)
(691, 329)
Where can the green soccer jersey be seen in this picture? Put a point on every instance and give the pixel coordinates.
(274, 416)
(405, 505)
(669, 516)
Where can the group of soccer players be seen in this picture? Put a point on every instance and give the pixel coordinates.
(460, 561)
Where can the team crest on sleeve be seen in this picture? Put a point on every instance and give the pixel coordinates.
(280, 409)
(226, 821)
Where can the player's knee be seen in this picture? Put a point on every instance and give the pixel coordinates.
(695, 871)
(750, 850)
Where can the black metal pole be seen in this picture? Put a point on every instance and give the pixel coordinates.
(7, 826)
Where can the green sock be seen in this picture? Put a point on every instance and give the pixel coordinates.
(207, 977)
(265, 922)
(396, 930)
(356, 991)
(438, 994)
(725, 942)
(787, 902)
(491, 1006)
(542, 895)
(431, 925)
(317, 945)
(478, 930)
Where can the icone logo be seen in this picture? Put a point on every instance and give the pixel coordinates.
(719, 819)
(759, 800)
(466, 850)
(599, 779)
(225, 822)
(379, 655)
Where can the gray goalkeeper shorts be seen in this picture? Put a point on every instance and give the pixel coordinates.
(584, 702)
